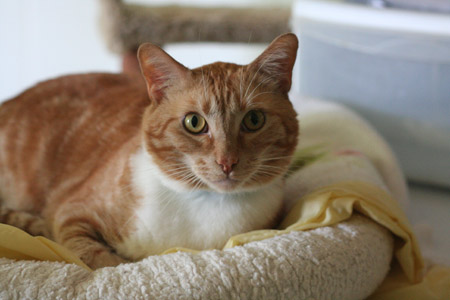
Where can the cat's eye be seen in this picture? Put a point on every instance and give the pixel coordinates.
(195, 123)
(253, 120)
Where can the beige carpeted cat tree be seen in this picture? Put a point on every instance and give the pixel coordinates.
(126, 26)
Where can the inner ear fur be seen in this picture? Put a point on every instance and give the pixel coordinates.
(160, 70)
(277, 61)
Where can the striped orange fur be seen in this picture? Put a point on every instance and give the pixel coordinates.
(105, 164)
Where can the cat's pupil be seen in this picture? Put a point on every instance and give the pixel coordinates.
(194, 121)
(254, 118)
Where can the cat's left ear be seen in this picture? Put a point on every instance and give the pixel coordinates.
(160, 70)
(277, 61)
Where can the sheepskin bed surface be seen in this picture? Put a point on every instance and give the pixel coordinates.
(306, 265)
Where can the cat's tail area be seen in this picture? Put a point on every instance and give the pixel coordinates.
(34, 225)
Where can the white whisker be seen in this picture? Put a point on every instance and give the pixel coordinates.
(262, 82)
(257, 71)
(275, 158)
(249, 100)
(240, 83)
(205, 91)
(267, 167)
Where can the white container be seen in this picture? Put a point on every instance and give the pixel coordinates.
(392, 66)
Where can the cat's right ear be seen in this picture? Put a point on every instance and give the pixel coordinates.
(277, 61)
(160, 70)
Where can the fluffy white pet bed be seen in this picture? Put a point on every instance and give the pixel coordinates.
(344, 261)
(343, 255)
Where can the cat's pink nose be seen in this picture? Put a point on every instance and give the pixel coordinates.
(227, 164)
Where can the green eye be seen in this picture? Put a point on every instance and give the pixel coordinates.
(194, 123)
(253, 120)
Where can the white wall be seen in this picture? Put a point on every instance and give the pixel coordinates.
(40, 39)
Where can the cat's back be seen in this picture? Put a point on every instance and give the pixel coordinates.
(70, 92)
(63, 126)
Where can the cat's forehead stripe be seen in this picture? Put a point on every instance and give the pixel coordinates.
(220, 88)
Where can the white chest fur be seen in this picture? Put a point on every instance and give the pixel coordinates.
(170, 217)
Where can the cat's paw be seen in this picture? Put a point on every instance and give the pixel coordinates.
(33, 224)
(39, 228)
(106, 259)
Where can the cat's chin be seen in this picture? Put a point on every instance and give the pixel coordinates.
(232, 186)
(226, 185)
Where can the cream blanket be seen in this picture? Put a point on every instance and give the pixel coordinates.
(335, 242)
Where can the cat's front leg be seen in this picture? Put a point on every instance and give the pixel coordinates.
(86, 237)
(33, 224)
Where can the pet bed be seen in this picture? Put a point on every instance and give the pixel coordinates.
(342, 229)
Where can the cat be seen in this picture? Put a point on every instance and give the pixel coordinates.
(119, 167)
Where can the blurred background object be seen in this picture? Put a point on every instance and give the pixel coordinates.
(127, 24)
(390, 65)
(439, 6)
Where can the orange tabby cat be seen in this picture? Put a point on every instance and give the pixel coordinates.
(119, 168)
